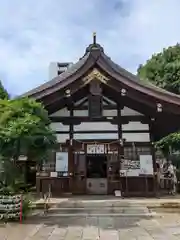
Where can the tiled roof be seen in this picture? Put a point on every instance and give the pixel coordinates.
(67, 73)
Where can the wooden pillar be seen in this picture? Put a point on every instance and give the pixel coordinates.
(70, 153)
(151, 135)
(38, 186)
(120, 147)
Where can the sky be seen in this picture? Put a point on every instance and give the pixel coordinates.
(34, 33)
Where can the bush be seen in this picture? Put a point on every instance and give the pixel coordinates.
(26, 206)
(6, 190)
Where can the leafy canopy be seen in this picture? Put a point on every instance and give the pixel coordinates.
(163, 69)
(24, 129)
(170, 142)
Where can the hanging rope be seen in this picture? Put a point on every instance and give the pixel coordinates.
(96, 143)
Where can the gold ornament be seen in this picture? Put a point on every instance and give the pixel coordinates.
(95, 74)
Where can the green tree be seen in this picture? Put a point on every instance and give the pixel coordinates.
(169, 143)
(3, 92)
(170, 146)
(163, 69)
(24, 130)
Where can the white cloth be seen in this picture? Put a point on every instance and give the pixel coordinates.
(171, 169)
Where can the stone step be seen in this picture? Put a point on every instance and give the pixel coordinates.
(104, 204)
(111, 211)
(102, 209)
(56, 215)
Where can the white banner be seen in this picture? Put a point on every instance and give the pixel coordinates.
(146, 163)
(61, 162)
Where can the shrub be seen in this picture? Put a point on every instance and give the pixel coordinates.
(26, 205)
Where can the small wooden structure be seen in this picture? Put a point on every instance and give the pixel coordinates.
(96, 104)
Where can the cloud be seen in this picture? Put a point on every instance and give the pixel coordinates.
(34, 33)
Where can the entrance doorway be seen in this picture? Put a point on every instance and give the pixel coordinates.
(96, 174)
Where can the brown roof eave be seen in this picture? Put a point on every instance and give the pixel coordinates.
(134, 82)
(59, 81)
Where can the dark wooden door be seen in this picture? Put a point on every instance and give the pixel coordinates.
(113, 170)
(79, 181)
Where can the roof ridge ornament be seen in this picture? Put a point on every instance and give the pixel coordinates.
(94, 45)
(94, 38)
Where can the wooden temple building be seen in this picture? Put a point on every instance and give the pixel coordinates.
(106, 120)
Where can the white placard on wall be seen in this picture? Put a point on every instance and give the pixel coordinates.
(61, 162)
(95, 148)
(53, 174)
(130, 172)
(146, 163)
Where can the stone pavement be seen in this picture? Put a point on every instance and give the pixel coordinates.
(93, 228)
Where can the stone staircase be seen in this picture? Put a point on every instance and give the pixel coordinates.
(72, 208)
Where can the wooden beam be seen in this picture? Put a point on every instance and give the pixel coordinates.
(129, 102)
(81, 104)
(109, 141)
(105, 107)
(102, 131)
(113, 120)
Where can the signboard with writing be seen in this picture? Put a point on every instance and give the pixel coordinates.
(129, 164)
(95, 148)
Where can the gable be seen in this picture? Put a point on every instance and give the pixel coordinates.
(84, 102)
(64, 112)
(129, 112)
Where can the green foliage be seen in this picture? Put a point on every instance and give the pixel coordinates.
(24, 129)
(170, 142)
(163, 69)
(3, 92)
(26, 205)
(11, 174)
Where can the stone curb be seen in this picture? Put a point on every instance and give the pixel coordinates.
(149, 205)
(100, 215)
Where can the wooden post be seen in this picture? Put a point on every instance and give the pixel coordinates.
(153, 158)
(70, 153)
(120, 147)
(70, 165)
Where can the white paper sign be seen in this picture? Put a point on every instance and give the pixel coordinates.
(61, 162)
(93, 149)
(133, 172)
(53, 174)
(146, 164)
(130, 173)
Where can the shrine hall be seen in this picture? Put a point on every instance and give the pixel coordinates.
(106, 120)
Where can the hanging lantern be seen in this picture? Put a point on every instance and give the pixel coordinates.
(134, 147)
(71, 142)
(60, 148)
(68, 93)
(123, 92)
(159, 107)
(121, 141)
